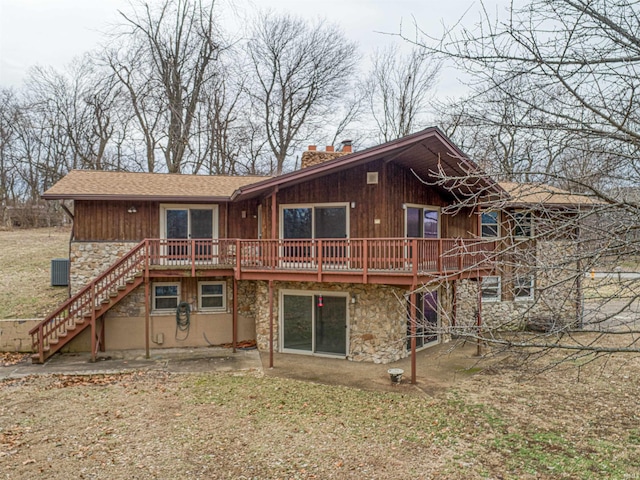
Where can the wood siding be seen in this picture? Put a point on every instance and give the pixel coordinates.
(396, 186)
(110, 221)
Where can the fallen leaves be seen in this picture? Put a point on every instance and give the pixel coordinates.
(12, 358)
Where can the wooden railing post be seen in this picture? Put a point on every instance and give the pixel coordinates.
(193, 257)
(414, 259)
(93, 320)
(41, 343)
(319, 259)
(365, 259)
(439, 264)
(238, 260)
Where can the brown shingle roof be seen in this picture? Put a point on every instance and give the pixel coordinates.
(94, 185)
(541, 194)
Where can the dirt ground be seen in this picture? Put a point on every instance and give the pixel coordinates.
(490, 421)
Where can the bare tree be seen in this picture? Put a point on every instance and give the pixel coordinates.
(167, 55)
(301, 71)
(397, 91)
(554, 99)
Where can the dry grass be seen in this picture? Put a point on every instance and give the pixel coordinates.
(25, 275)
(491, 425)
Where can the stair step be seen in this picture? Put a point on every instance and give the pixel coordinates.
(113, 294)
(122, 287)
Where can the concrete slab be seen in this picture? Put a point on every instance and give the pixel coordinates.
(175, 360)
(438, 367)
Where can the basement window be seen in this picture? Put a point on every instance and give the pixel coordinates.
(491, 291)
(523, 288)
(212, 296)
(166, 296)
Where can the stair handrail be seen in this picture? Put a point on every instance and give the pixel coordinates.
(38, 333)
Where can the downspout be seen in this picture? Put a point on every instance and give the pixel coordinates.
(71, 238)
(147, 300)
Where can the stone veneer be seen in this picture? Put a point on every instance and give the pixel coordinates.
(377, 321)
(554, 300)
(88, 259)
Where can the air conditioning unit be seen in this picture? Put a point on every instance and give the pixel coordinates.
(60, 272)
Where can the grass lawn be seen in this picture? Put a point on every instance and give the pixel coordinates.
(25, 271)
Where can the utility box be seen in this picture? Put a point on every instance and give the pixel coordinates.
(60, 272)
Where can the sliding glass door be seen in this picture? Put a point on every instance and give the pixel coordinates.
(314, 323)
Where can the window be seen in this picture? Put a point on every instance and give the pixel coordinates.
(422, 222)
(523, 224)
(489, 226)
(523, 288)
(212, 296)
(166, 296)
(490, 287)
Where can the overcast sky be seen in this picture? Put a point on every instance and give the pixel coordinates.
(53, 32)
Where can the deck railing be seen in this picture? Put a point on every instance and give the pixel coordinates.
(400, 255)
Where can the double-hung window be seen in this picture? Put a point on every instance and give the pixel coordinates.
(491, 289)
(490, 225)
(522, 224)
(212, 296)
(523, 287)
(166, 296)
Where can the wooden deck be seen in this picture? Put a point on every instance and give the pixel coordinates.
(399, 261)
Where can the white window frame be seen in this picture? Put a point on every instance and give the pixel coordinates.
(517, 286)
(222, 308)
(497, 223)
(497, 287)
(518, 224)
(189, 206)
(153, 296)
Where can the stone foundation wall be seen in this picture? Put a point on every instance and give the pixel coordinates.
(377, 321)
(555, 297)
(88, 259)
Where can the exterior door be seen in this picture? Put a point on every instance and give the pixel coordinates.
(183, 223)
(314, 323)
(426, 319)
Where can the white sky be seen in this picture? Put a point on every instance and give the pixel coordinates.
(53, 32)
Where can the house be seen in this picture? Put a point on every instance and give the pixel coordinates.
(537, 279)
(360, 255)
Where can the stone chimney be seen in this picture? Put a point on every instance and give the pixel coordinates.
(313, 156)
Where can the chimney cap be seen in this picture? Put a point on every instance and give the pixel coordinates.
(346, 143)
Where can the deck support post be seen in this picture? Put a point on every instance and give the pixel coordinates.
(270, 323)
(147, 299)
(235, 313)
(93, 321)
(479, 318)
(413, 321)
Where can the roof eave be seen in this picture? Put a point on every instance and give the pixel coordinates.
(139, 198)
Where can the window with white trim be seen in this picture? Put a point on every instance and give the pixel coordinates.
(522, 224)
(523, 287)
(166, 296)
(212, 296)
(491, 289)
(489, 224)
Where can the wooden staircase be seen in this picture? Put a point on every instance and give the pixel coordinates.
(84, 308)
